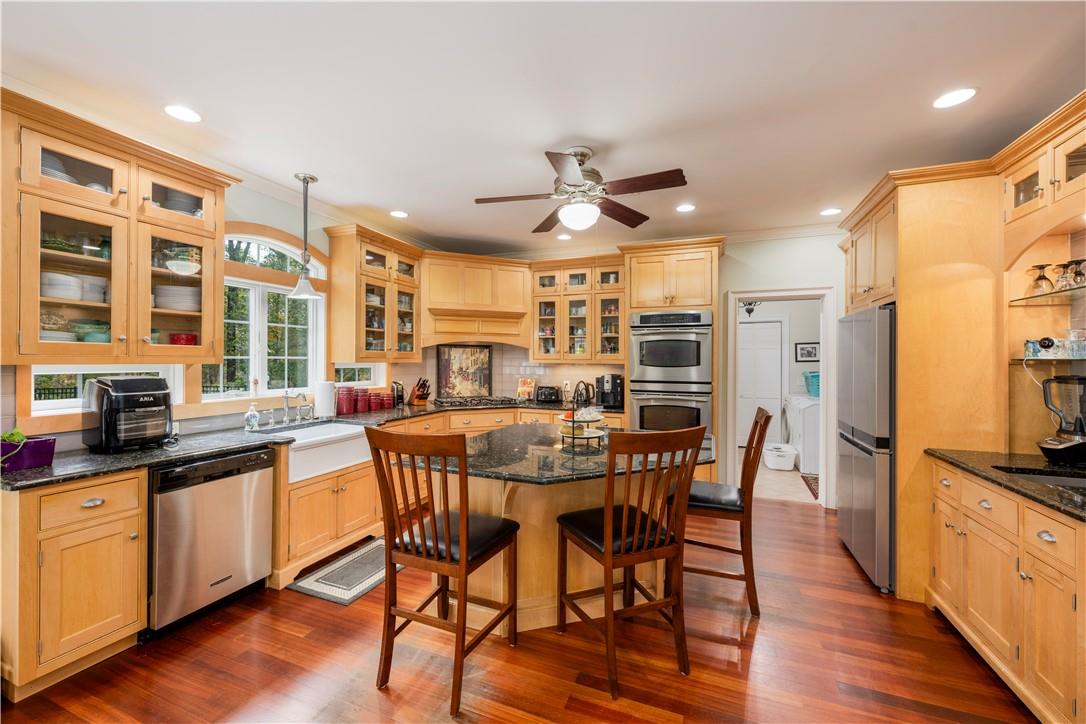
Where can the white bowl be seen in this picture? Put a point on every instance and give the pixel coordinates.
(58, 278)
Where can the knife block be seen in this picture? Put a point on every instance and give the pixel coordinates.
(417, 398)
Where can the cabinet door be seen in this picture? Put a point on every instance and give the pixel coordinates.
(1050, 635)
(577, 279)
(863, 259)
(177, 303)
(478, 286)
(610, 276)
(648, 281)
(406, 321)
(73, 293)
(374, 318)
(991, 602)
(691, 279)
(73, 171)
(884, 248)
(1024, 189)
(175, 203)
(577, 326)
(406, 270)
(546, 282)
(312, 517)
(946, 554)
(1069, 162)
(375, 261)
(545, 323)
(356, 500)
(89, 585)
(610, 333)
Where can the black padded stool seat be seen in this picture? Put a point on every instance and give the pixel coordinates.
(716, 496)
(485, 533)
(588, 526)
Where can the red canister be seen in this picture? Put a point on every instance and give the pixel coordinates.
(375, 400)
(344, 401)
(361, 400)
(386, 400)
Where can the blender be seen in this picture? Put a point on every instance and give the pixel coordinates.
(1068, 445)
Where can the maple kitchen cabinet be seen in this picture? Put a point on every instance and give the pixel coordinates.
(74, 208)
(871, 256)
(74, 576)
(470, 298)
(328, 511)
(678, 274)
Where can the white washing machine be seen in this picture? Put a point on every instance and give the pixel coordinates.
(802, 417)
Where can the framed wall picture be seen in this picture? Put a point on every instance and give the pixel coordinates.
(464, 370)
(807, 352)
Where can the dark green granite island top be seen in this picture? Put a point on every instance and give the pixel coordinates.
(1071, 501)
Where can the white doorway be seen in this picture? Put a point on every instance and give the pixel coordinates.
(761, 374)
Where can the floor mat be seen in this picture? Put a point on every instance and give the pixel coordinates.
(811, 481)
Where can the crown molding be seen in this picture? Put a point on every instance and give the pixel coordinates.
(1066, 115)
(778, 233)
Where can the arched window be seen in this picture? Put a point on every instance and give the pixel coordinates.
(270, 254)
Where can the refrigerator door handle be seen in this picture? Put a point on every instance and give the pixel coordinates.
(857, 444)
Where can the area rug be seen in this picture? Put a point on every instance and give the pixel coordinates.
(811, 481)
(347, 578)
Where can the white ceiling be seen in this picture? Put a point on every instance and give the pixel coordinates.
(774, 110)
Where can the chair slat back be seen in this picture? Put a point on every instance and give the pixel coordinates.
(646, 520)
(752, 454)
(414, 496)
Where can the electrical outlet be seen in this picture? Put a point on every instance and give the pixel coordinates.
(566, 386)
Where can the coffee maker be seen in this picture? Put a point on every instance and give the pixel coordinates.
(610, 392)
(1068, 445)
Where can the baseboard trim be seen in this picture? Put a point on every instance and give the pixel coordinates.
(280, 578)
(16, 694)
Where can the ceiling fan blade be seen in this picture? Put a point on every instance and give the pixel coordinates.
(567, 168)
(499, 199)
(621, 213)
(548, 223)
(648, 182)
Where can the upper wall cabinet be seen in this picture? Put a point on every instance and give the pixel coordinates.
(87, 251)
(1023, 187)
(476, 299)
(673, 276)
(871, 255)
(382, 262)
(1069, 162)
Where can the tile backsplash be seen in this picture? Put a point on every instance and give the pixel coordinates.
(509, 363)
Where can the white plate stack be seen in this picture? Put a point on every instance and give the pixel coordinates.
(53, 167)
(180, 298)
(94, 288)
(61, 286)
(48, 335)
(185, 203)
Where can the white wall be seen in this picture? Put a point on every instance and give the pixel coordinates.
(778, 260)
(803, 318)
(244, 203)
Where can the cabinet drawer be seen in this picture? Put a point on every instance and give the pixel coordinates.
(612, 421)
(1050, 536)
(536, 416)
(427, 426)
(946, 482)
(985, 503)
(471, 420)
(88, 503)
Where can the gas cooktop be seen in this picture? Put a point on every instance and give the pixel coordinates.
(475, 402)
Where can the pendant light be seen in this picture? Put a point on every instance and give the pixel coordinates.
(303, 289)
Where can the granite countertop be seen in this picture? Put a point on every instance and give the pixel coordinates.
(77, 464)
(68, 466)
(531, 453)
(1069, 501)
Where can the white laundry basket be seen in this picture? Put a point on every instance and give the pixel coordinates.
(779, 457)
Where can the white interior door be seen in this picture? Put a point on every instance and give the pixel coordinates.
(759, 378)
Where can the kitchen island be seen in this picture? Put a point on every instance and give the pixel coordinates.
(520, 472)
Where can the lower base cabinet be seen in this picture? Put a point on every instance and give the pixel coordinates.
(1014, 585)
(330, 507)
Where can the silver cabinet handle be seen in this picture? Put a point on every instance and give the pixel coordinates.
(983, 503)
(147, 197)
(122, 338)
(603, 423)
(92, 502)
(1025, 576)
(1046, 536)
(944, 482)
(133, 536)
(122, 190)
(499, 419)
(147, 340)
(1054, 181)
(426, 426)
(947, 524)
(343, 488)
(467, 422)
(335, 490)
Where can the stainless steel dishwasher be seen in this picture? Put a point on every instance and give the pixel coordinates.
(212, 531)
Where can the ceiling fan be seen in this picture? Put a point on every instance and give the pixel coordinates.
(587, 195)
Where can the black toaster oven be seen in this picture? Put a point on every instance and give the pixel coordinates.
(126, 412)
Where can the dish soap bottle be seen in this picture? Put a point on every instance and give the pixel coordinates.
(252, 418)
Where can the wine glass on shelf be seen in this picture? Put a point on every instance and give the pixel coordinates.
(1078, 273)
(1064, 279)
(1041, 284)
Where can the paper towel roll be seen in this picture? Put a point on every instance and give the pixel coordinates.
(325, 403)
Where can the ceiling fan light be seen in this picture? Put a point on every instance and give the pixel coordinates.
(578, 215)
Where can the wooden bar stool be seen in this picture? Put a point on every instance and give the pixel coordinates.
(728, 502)
(637, 527)
(421, 532)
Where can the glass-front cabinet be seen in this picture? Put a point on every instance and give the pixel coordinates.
(1069, 158)
(407, 270)
(546, 282)
(406, 315)
(576, 326)
(545, 328)
(577, 280)
(1023, 188)
(375, 261)
(174, 202)
(610, 276)
(73, 280)
(610, 340)
(375, 296)
(176, 288)
(73, 171)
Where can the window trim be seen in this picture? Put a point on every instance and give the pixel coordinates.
(174, 374)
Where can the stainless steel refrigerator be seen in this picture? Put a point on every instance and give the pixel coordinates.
(865, 440)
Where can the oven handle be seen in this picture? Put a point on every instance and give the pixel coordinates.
(672, 331)
(669, 396)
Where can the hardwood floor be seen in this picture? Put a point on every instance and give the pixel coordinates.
(827, 647)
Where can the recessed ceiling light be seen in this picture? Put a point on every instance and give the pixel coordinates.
(685, 208)
(183, 113)
(831, 211)
(564, 237)
(398, 214)
(954, 97)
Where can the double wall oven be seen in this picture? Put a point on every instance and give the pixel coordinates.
(671, 370)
